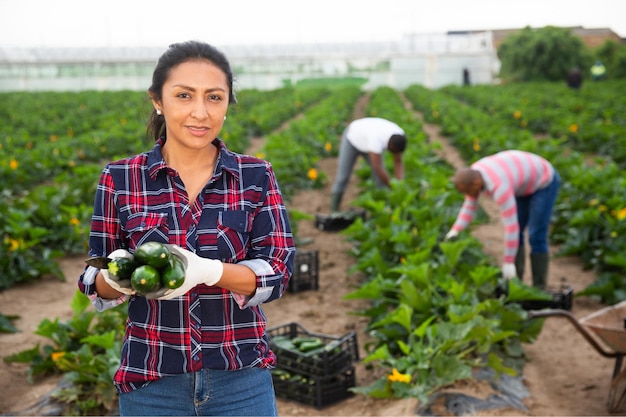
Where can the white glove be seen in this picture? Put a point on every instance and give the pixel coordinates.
(452, 234)
(198, 270)
(124, 285)
(508, 271)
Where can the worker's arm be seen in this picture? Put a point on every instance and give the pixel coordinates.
(376, 161)
(398, 166)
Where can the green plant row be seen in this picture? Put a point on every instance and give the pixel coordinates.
(592, 119)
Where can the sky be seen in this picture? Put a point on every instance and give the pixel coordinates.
(118, 23)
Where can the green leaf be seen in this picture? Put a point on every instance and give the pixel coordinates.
(402, 316)
(371, 290)
(454, 250)
(404, 348)
(25, 356)
(411, 296)
(80, 302)
(6, 324)
(380, 354)
(518, 291)
(106, 340)
(420, 331)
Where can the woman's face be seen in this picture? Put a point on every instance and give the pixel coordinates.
(194, 103)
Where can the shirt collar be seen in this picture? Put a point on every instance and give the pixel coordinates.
(226, 160)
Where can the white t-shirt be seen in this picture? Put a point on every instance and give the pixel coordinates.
(371, 134)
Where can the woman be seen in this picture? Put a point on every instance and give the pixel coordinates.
(201, 349)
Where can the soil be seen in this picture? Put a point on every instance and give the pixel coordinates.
(564, 376)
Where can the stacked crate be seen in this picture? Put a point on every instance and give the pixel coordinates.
(317, 377)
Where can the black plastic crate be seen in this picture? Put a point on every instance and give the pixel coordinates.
(337, 221)
(561, 299)
(305, 271)
(314, 391)
(338, 353)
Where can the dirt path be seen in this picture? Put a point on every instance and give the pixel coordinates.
(565, 375)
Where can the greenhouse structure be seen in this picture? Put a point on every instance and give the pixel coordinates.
(432, 60)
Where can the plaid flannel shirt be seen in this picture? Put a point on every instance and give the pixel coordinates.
(240, 217)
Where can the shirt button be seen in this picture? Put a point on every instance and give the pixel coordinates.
(196, 325)
(196, 358)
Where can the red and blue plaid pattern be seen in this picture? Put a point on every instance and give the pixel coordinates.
(239, 217)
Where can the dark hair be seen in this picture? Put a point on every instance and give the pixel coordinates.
(397, 143)
(176, 54)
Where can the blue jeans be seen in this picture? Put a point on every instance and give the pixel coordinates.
(535, 211)
(209, 392)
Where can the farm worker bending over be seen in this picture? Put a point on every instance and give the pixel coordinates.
(368, 137)
(202, 348)
(524, 186)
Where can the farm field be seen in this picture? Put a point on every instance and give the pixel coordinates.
(564, 375)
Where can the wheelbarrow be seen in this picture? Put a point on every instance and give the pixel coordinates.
(608, 326)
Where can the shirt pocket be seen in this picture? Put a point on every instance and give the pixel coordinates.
(146, 227)
(233, 234)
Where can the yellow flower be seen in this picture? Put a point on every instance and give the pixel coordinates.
(573, 128)
(14, 244)
(476, 144)
(53, 138)
(14, 164)
(312, 174)
(621, 215)
(260, 155)
(613, 234)
(396, 376)
(602, 208)
(55, 356)
(402, 260)
(123, 121)
(74, 221)
(517, 114)
(593, 202)
(328, 146)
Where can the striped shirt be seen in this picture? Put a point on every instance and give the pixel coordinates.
(239, 218)
(507, 174)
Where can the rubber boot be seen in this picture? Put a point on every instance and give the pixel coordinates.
(335, 202)
(520, 262)
(539, 265)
